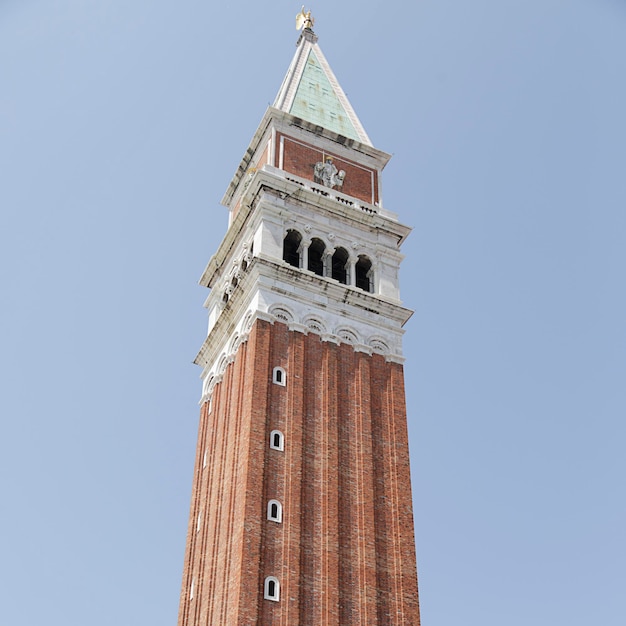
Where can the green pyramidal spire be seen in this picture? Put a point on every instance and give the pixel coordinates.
(311, 92)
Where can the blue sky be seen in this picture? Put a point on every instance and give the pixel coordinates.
(121, 125)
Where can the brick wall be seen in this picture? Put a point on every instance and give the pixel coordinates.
(344, 552)
(300, 158)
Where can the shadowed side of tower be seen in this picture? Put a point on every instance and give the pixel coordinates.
(301, 504)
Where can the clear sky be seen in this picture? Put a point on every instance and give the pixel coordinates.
(121, 124)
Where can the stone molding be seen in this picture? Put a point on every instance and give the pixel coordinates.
(281, 313)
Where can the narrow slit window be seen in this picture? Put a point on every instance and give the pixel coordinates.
(277, 440)
(275, 511)
(279, 376)
(272, 589)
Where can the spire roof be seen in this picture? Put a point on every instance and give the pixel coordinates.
(311, 92)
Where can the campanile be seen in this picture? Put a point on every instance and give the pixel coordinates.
(301, 504)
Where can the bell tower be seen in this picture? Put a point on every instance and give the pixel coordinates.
(301, 507)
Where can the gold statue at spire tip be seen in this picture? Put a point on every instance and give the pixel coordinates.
(304, 20)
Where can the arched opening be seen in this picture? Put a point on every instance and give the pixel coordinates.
(272, 589)
(339, 269)
(291, 247)
(363, 271)
(277, 440)
(279, 377)
(316, 257)
(274, 511)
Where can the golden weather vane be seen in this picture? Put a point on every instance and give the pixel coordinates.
(304, 20)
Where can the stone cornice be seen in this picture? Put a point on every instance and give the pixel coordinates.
(334, 304)
(333, 291)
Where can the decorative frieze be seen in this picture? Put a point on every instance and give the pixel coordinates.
(317, 324)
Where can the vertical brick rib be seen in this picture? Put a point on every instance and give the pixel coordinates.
(359, 494)
(201, 533)
(294, 450)
(223, 500)
(211, 496)
(199, 539)
(393, 488)
(336, 375)
(252, 476)
(184, 608)
(325, 385)
(383, 505)
(311, 599)
(240, 419)
(348, 581)
(409, 600)
(330, 481)
(367, 492)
